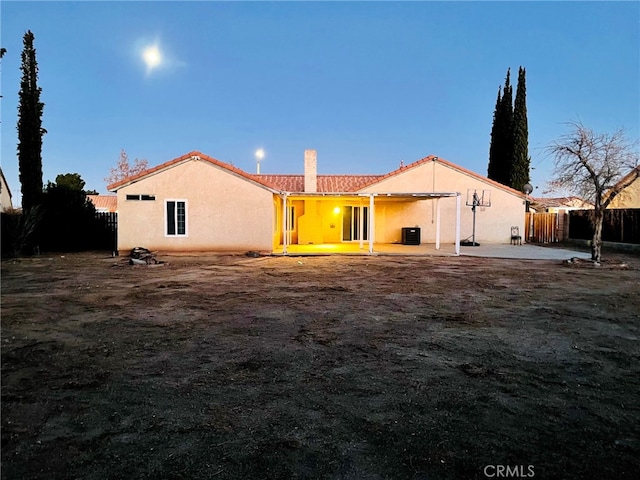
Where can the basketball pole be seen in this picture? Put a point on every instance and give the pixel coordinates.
(474, 201)
(473, 234)
(473, 209)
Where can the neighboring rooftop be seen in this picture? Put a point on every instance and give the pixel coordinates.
(104, 203)
(570, 202)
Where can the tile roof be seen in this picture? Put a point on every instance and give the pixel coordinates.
(104, 202)
(433, 158)
(326, 183)
(184, 158)
(479, 177)
(554, 202)
(295, 183)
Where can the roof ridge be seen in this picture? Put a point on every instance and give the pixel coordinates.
(151, 170)
(259, 177)
(320, 174)
(479, 177)
(399, 170)
(182, 158)
(278, 175)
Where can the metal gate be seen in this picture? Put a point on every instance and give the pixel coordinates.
(109, 232)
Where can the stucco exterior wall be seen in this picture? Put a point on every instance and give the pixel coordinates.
(628, 198)
(5, 198)
(224, 212)
(391, 217)
(493, 224)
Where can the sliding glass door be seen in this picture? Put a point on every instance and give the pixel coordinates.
(355, 222)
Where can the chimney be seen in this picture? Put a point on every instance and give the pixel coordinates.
(310, 171)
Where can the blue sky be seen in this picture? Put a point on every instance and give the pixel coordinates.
(366, 84)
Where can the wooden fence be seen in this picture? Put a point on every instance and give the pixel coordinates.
(620, 225)
(545, 227)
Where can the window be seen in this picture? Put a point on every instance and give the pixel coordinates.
(141, 197)
(176, 217)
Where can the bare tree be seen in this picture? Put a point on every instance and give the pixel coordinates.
(597, 167)
(124, 169)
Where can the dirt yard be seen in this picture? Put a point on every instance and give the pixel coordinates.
(389, 367)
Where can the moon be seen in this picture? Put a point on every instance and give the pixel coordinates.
(152, 57)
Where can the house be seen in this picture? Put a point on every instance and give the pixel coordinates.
(5, 194)
(630, 196)
(549, 219)
(198, 203)
(559, 204)
(104, 203)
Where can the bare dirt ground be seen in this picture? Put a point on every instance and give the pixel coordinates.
(233, 367)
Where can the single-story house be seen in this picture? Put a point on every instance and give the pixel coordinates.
(559, 204)
(104, 203)
(5, 194)
(630, 196)
(197, 203)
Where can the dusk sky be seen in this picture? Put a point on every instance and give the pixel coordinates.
(366, 84)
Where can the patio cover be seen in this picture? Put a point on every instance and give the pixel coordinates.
(391, 196)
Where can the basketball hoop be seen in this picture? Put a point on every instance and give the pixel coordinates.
(476, 198)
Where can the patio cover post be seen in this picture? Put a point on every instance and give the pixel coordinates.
(285, 222)
(371, 223)
(458, 223)
(360, 224)
(437, 224)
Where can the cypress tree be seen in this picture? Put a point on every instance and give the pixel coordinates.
(30, 129)
(494, 147)
(507, 134)
(501, 149)
(521, 160)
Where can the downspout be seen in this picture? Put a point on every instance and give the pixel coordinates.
(433, 182)
(458, 223)
(437, 224)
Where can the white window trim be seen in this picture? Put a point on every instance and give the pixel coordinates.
(186, 218)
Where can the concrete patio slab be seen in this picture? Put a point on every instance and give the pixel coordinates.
(523, 252)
